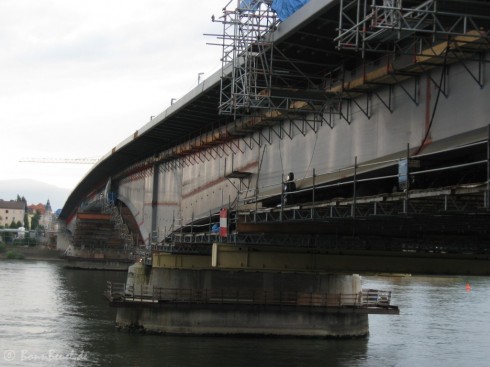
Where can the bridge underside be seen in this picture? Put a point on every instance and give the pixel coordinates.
(351, 260)
(355, 256)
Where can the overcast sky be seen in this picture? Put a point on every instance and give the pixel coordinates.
(78, 77)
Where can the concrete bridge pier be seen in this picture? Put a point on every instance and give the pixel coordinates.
(179, 294)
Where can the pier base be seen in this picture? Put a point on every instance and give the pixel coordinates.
(224, 302)
(242, 320)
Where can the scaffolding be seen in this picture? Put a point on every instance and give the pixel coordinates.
(399, 40)
(378, 26)
(247, 41)
(250, 84)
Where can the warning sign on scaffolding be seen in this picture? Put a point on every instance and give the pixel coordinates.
(403, 174)
(403, 171)
(223, 222)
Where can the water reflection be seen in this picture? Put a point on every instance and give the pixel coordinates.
(44, 307)
(439, 322)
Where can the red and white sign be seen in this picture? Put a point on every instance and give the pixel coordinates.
(223, 222)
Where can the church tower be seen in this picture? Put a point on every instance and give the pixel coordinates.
(48, 208)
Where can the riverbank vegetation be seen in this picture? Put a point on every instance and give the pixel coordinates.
(10, 254)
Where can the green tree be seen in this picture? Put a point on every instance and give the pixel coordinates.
(35, 219)
(26, 221)
(15, 225)
(22, 200)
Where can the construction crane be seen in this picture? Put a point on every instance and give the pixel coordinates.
(60, 160)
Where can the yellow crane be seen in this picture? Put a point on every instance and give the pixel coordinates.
(60, 160)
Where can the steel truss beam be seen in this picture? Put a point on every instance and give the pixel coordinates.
(478, 78)
(440, 203)
(376, 25)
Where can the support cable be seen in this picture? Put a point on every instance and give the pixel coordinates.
(439, 90)
(311, 159)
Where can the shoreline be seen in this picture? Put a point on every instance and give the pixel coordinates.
(32, 253)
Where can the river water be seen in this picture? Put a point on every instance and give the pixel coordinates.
(51, 316)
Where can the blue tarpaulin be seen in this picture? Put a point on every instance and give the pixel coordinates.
(283, 8)
(250, 4)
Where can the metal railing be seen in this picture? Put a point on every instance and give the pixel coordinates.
(119, 292)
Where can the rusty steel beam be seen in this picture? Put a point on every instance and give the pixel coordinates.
(94, 216)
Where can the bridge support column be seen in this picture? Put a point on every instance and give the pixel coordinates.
(154, 205)
(183, 294)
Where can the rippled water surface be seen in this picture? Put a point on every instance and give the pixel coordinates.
(51, 316)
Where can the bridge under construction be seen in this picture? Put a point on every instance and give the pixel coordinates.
(339, 137)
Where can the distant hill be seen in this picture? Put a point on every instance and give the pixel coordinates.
(34, 191)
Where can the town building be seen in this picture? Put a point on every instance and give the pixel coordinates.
(45, 211)
(11, 211)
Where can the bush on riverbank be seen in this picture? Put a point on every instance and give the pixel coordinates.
(2, 248)
(12, 255)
